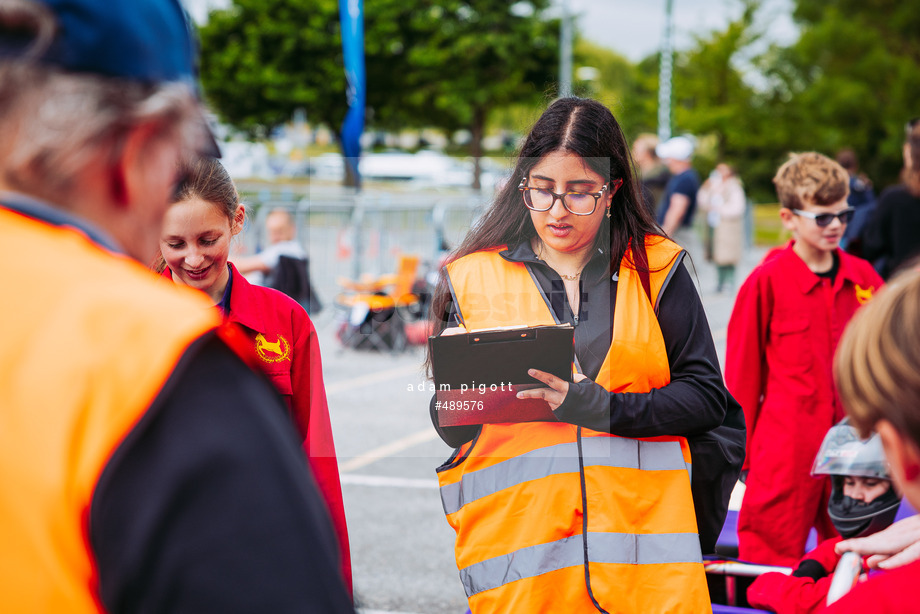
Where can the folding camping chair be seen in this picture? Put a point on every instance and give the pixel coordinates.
(375, 309)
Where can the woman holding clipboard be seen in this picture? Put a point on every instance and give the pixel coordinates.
(592, 512)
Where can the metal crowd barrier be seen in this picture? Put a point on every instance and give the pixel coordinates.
(350, 234)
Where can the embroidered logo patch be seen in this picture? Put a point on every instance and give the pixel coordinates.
(273, 351)
(863, 294)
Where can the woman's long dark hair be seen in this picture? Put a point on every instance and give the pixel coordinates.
(574, 125)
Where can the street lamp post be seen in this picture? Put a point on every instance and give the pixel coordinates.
(664, 76)
(565, 52)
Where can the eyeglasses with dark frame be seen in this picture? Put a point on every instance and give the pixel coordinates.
(825, 219)
(576, 203)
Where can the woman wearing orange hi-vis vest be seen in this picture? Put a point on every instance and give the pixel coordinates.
(593, 511)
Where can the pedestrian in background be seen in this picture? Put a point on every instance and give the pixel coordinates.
(653, 174)
(877, 369)
(143, 465)
(197, 229)
(892, 235)
(861, 198)
(787, 319)
(282, 241)
(721, 198)
(678, 204)
(558, 516)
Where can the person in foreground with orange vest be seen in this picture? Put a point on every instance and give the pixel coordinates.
(144, 467)
(593, 512)
(877, 371)
(197, 229)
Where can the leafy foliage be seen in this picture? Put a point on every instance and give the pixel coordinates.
(445, 65)
(849, 81)
(263, 59)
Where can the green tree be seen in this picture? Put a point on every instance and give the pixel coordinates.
(720, 97)
(850, 81)
(711, 97)
(614, 84)
(263, 59)
(447, 65)
(471, 58)
(640, 112)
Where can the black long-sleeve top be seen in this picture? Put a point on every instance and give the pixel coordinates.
(695, 401)
(208, 504)
(891, 232)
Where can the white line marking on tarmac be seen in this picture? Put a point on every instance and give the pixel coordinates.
(363, 611)
(372, 378)
(389, 449)
(388, 481)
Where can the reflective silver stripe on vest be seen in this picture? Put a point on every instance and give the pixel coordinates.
(612, 548)
(562, 458)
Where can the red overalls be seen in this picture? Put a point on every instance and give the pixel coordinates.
(781, 340)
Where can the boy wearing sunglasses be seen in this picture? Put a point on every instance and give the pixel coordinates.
(787, 320)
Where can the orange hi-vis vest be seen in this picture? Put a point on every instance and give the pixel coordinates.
(89, 339)
(552, 517)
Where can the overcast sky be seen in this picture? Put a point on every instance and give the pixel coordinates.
(634, 28)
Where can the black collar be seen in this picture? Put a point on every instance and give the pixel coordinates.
(522, 252)
(44, 212)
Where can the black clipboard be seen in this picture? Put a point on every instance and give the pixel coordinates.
(478, 374)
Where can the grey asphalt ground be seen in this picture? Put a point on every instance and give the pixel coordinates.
(401, 544)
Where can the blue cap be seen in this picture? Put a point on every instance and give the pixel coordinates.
(148, 41)
(138, 40)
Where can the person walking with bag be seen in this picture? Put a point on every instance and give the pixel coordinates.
(593, 511)
(721, 198)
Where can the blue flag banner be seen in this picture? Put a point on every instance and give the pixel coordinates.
(351, 13)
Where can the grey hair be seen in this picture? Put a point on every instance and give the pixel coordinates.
(55, 124)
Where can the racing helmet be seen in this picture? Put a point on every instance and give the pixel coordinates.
(843, 453)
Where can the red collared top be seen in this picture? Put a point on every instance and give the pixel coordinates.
(286, 345)
(891, 592)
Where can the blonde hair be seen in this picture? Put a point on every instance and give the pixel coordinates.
(811, 178)
(877, 364)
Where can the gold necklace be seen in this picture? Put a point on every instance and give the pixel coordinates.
(562, 275)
